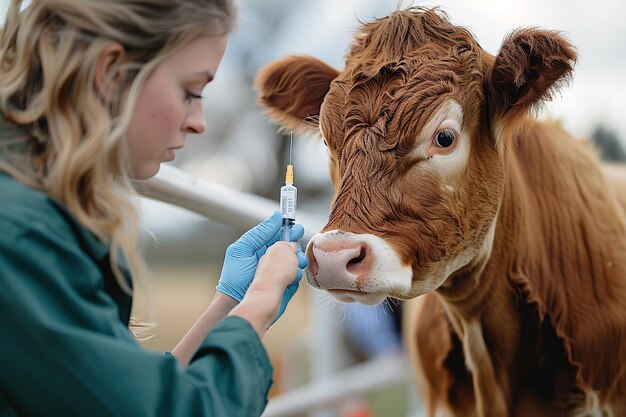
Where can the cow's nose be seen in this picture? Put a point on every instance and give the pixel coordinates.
(337, 264)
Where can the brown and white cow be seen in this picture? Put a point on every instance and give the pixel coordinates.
(445, 188)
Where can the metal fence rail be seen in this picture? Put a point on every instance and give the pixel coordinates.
(216, 202)
(354, 381)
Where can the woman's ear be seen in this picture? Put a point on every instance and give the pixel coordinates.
(106, 77)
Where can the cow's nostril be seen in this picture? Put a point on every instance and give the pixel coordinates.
(339, 263)
(358, 259)
(360, 264)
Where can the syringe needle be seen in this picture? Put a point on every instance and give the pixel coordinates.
(290, 146)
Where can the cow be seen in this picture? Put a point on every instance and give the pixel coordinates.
(448, 188)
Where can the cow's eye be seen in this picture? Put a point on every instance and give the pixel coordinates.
(444, 138)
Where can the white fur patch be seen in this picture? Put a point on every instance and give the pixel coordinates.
(448, 115)
(592, 407)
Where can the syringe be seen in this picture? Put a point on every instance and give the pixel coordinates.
(288, 198)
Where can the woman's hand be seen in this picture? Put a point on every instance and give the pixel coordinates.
(242, 257)
(278, 272)
(275, 282)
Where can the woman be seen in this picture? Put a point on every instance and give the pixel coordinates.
(93, 94)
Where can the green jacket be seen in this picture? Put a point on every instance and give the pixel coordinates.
(65, 347)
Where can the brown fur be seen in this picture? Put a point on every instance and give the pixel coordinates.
(537, 325)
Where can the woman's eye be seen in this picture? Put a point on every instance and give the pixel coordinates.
(444, 138)
(192, 96)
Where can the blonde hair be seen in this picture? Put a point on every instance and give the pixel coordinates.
(68, 140)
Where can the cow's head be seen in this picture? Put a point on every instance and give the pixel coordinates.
(416, 127)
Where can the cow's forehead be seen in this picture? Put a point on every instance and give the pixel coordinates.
(398, 101)
(408, 35)
(401, 69)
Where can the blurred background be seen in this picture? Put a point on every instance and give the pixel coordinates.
(242, 150)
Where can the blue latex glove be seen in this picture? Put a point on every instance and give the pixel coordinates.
(242, 258)
(293, 287)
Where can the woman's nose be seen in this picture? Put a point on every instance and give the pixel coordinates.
(195, 122)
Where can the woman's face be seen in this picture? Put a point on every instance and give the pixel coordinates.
(170, 104)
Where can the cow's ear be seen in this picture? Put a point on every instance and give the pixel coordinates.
(530, 67)
(293, 88)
